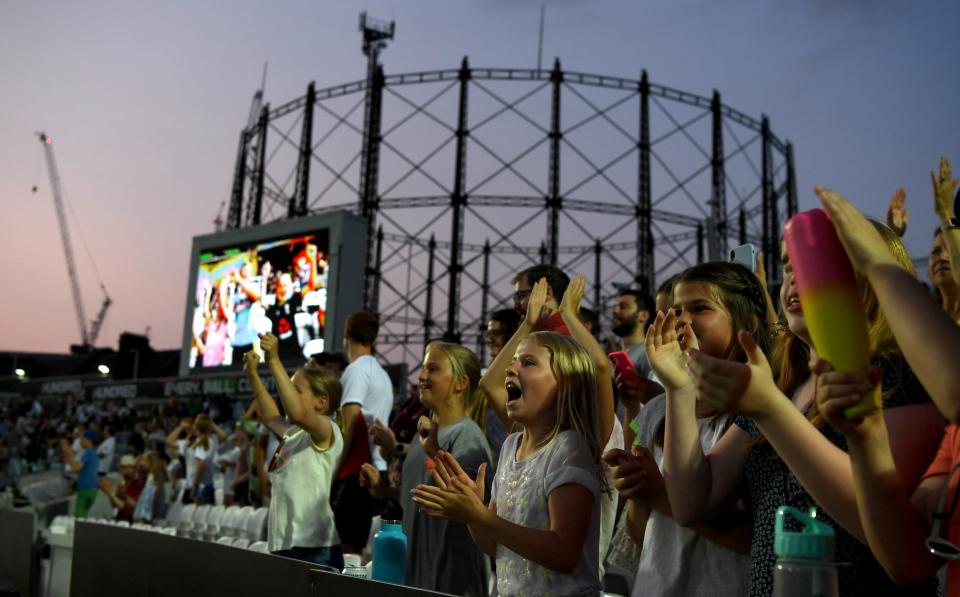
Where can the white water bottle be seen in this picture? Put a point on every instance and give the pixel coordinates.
(805, 566)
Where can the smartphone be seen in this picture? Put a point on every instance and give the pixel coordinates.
(745, 255)
(621, 361)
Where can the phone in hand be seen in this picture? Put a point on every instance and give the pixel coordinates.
(622, 365)
(745, 255)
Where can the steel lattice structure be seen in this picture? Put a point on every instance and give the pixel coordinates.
(469, 175)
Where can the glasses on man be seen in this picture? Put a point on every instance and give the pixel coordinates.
(937, 545)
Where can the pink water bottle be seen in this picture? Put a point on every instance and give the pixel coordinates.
(830, 297)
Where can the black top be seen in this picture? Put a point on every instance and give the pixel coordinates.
(772, 484)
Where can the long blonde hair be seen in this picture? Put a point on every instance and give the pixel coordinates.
(322, 383)
(203, 425)
(464, 364)
(576, 402)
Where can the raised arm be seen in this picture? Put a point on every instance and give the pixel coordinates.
(927, 337)
(174, 435)
(895, 525)
(822, 468)
(698, 486)
(569, 309)
(319, 427)
(943, 189)
(266, 407)
(492, 382)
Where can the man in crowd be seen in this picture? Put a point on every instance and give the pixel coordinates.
(367, 397)
(631, 313)
(557, 282)
(124, 495)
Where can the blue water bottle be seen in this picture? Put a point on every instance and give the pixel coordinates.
(390, 553)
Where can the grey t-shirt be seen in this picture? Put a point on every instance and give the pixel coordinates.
(522, 489)
(441, 554)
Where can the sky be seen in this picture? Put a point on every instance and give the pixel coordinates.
(144, 103)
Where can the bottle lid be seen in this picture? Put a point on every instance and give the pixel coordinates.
(814, 542)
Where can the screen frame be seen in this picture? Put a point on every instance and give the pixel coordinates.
(347, 235)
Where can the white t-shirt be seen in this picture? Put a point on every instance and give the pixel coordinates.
(366, 383)
(105, 453)
(675, 560)
(193, 455)
(301, 474)
(608, 500)
(521, 489)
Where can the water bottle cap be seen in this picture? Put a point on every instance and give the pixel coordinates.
(391, 522)
(815, 542)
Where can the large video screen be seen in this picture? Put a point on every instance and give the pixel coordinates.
(297, 278)
(278, 286)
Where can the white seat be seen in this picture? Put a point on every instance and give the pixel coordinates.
(239, 528)
(242, 542)
(259, 546)
(211, 527)
(225, 541)
(185, 524)
(229, 520)
(257, 525)
(123, 523)
(200, 521)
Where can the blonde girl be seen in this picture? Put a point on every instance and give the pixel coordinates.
(300, 524)
(543, 520)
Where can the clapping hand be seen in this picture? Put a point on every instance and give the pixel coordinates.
(455, 496)
(536, 303)
(570, 303)
(863, 243)
(943, 189)
(636, 475)
(667, 358)
(732, 387)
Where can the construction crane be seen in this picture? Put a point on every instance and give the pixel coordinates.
(88, 336)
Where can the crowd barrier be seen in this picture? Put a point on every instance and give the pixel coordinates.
(18, 530)
(114, 560)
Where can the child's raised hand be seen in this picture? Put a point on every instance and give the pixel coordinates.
(666, 356)
(943, 188)
(570, 303)
(897, 214)
(838, 391)
(269, 343)
(861, 240)
(536, 302)
(251, 360)
(732, 387)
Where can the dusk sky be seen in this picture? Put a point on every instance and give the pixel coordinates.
(144, 103)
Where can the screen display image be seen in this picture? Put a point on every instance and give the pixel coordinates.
(278, 286)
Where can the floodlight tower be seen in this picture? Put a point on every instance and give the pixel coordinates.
(376, 34)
